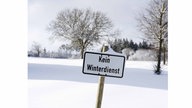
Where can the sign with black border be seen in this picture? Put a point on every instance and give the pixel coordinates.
(103, 64)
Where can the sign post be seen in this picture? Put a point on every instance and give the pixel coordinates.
(100, 91)
(103, 64)
(100, 88)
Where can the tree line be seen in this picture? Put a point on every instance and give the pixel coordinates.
(119, 44)
(65, 51)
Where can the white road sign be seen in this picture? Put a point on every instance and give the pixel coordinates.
(103, 64)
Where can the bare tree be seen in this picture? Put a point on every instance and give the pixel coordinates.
(81, 27)
(154, 23)
(36, 48)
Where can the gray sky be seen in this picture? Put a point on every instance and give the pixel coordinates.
(121, 12)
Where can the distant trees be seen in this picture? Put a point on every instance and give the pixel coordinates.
(133, 51)
(144, 55)
(60, 53)
(154, 24)
(35, 49)
(81, 27)
(119, 44)
(129, 48)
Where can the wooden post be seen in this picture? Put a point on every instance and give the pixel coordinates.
(100, 91)
(101, 87)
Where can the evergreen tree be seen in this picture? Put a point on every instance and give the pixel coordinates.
(126, 43)
(135, 47)
(140, 45)
(144, 45)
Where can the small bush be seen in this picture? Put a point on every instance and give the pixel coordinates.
(143, 55)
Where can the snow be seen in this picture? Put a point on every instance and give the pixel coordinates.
(111, 51)
(60, 83)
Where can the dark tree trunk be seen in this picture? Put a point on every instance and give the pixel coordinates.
(38, 53)
(82, 52)
(164, 55)
(158, 70)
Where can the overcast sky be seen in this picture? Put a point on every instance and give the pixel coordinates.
(121, 12)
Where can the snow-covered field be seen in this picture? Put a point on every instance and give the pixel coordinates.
(60, 83)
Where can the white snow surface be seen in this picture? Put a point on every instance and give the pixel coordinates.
(60, 83)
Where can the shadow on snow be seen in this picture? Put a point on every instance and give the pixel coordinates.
(132, 76)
